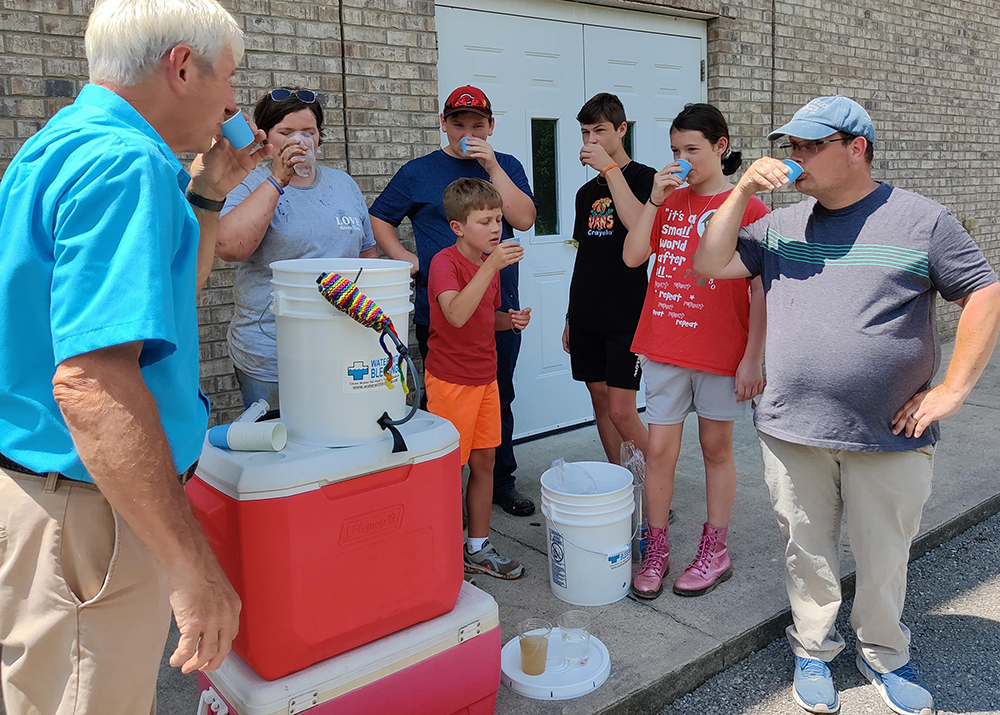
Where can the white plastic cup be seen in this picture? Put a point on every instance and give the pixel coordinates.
(794, 170)
(249, 437)
(306, 168)
(238, 131)
(254, 412)
(685, 168)
(575, 629)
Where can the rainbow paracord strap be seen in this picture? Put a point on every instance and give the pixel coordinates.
(344, 295)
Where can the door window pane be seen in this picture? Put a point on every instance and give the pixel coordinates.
(543, 169)
(627, 139)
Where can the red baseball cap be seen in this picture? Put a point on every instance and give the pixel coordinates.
(468, 99)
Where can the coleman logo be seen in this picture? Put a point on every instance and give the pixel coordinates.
(373, 524)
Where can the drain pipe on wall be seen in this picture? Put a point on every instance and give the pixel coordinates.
(343, 83)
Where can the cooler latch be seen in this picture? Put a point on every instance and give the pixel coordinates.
(301, 703)
(470, 631)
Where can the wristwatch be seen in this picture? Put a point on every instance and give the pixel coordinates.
(199, 201)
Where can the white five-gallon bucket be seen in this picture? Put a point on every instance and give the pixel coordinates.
(331, 381)
(590, 535)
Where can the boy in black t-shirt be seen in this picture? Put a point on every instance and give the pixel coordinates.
(606, 296)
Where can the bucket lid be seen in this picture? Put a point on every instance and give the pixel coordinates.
(608, 478)
(299, 468)
(560, 681)
(349, 267)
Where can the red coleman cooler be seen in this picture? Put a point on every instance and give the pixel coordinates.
(333, 548)
(447, 666)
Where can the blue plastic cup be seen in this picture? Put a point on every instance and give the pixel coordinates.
(464, 145)
(685, 168)
(237, 131)
(794, 170)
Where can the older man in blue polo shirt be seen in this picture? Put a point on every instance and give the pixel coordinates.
(106, 240)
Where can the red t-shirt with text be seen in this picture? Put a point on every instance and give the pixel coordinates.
(466, 355)
(687, 319)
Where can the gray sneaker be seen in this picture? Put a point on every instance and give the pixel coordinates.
(488, 561)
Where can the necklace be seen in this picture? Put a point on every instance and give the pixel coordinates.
(727, 187)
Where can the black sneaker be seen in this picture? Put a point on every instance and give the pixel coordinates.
(513, 501)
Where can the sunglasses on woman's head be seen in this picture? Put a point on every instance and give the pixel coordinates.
(303, 95)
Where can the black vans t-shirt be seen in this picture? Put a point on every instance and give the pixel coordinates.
(605, 294)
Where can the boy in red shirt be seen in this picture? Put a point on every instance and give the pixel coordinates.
(461, 368)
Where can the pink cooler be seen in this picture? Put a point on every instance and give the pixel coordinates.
(447, 666)
(333, 548)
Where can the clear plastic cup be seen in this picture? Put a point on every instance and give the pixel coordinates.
(575, 627)
(306, 168)
(534, 639)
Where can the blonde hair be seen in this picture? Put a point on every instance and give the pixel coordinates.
(125, 39)
(463, 196)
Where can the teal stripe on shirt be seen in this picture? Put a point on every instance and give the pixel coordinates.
(857, 254)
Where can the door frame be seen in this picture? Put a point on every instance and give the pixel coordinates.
(657, 20)
(647, 20)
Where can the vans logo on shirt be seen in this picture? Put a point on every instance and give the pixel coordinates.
(602, 218)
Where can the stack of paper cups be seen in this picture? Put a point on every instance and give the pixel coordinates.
(249, 437)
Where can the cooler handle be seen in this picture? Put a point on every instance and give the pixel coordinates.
(211, 703)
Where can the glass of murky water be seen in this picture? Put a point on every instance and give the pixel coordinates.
(534, 637)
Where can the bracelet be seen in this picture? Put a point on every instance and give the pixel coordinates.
(608, 168)
(275, 184)
(651, 203)
(199, 201)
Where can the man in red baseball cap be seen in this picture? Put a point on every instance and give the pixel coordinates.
(415, 192)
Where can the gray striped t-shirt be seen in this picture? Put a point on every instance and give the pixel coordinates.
(851, 333)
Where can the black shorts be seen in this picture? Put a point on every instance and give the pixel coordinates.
(604, 357)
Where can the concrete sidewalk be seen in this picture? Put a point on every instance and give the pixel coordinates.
(665, 648)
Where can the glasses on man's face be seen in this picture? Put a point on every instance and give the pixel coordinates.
(303, 95)
(806, 148)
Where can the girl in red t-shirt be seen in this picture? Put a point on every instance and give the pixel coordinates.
(701, 342)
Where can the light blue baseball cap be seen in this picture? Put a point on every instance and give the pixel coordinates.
(825, 115)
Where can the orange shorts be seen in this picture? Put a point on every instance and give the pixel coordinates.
(473, 409)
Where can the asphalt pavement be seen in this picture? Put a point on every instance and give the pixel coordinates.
(953, 611)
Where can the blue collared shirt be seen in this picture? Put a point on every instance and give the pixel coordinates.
(98, 247)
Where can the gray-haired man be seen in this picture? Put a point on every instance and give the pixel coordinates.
(100, 410)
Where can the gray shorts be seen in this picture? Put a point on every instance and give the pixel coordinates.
(672, 392)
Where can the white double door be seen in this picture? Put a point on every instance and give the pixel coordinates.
(538, 73)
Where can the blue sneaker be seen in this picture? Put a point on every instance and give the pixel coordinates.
(902, 689)
(813, 686)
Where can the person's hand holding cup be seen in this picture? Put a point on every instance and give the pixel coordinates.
(506, 254)
(665, 181)
(767, 174)
(221, 169)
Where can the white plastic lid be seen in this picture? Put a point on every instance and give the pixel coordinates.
(560, 681)
(299, 468)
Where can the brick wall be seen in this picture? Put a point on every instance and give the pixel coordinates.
(928, 71)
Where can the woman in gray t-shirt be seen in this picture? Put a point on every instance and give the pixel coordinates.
(276, 214)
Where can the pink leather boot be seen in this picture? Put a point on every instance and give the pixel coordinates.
(648, 583)
(711, 565)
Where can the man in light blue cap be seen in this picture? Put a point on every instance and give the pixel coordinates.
(848, 420)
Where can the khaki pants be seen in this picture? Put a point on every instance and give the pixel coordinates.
(84, 613)
(883, 494)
